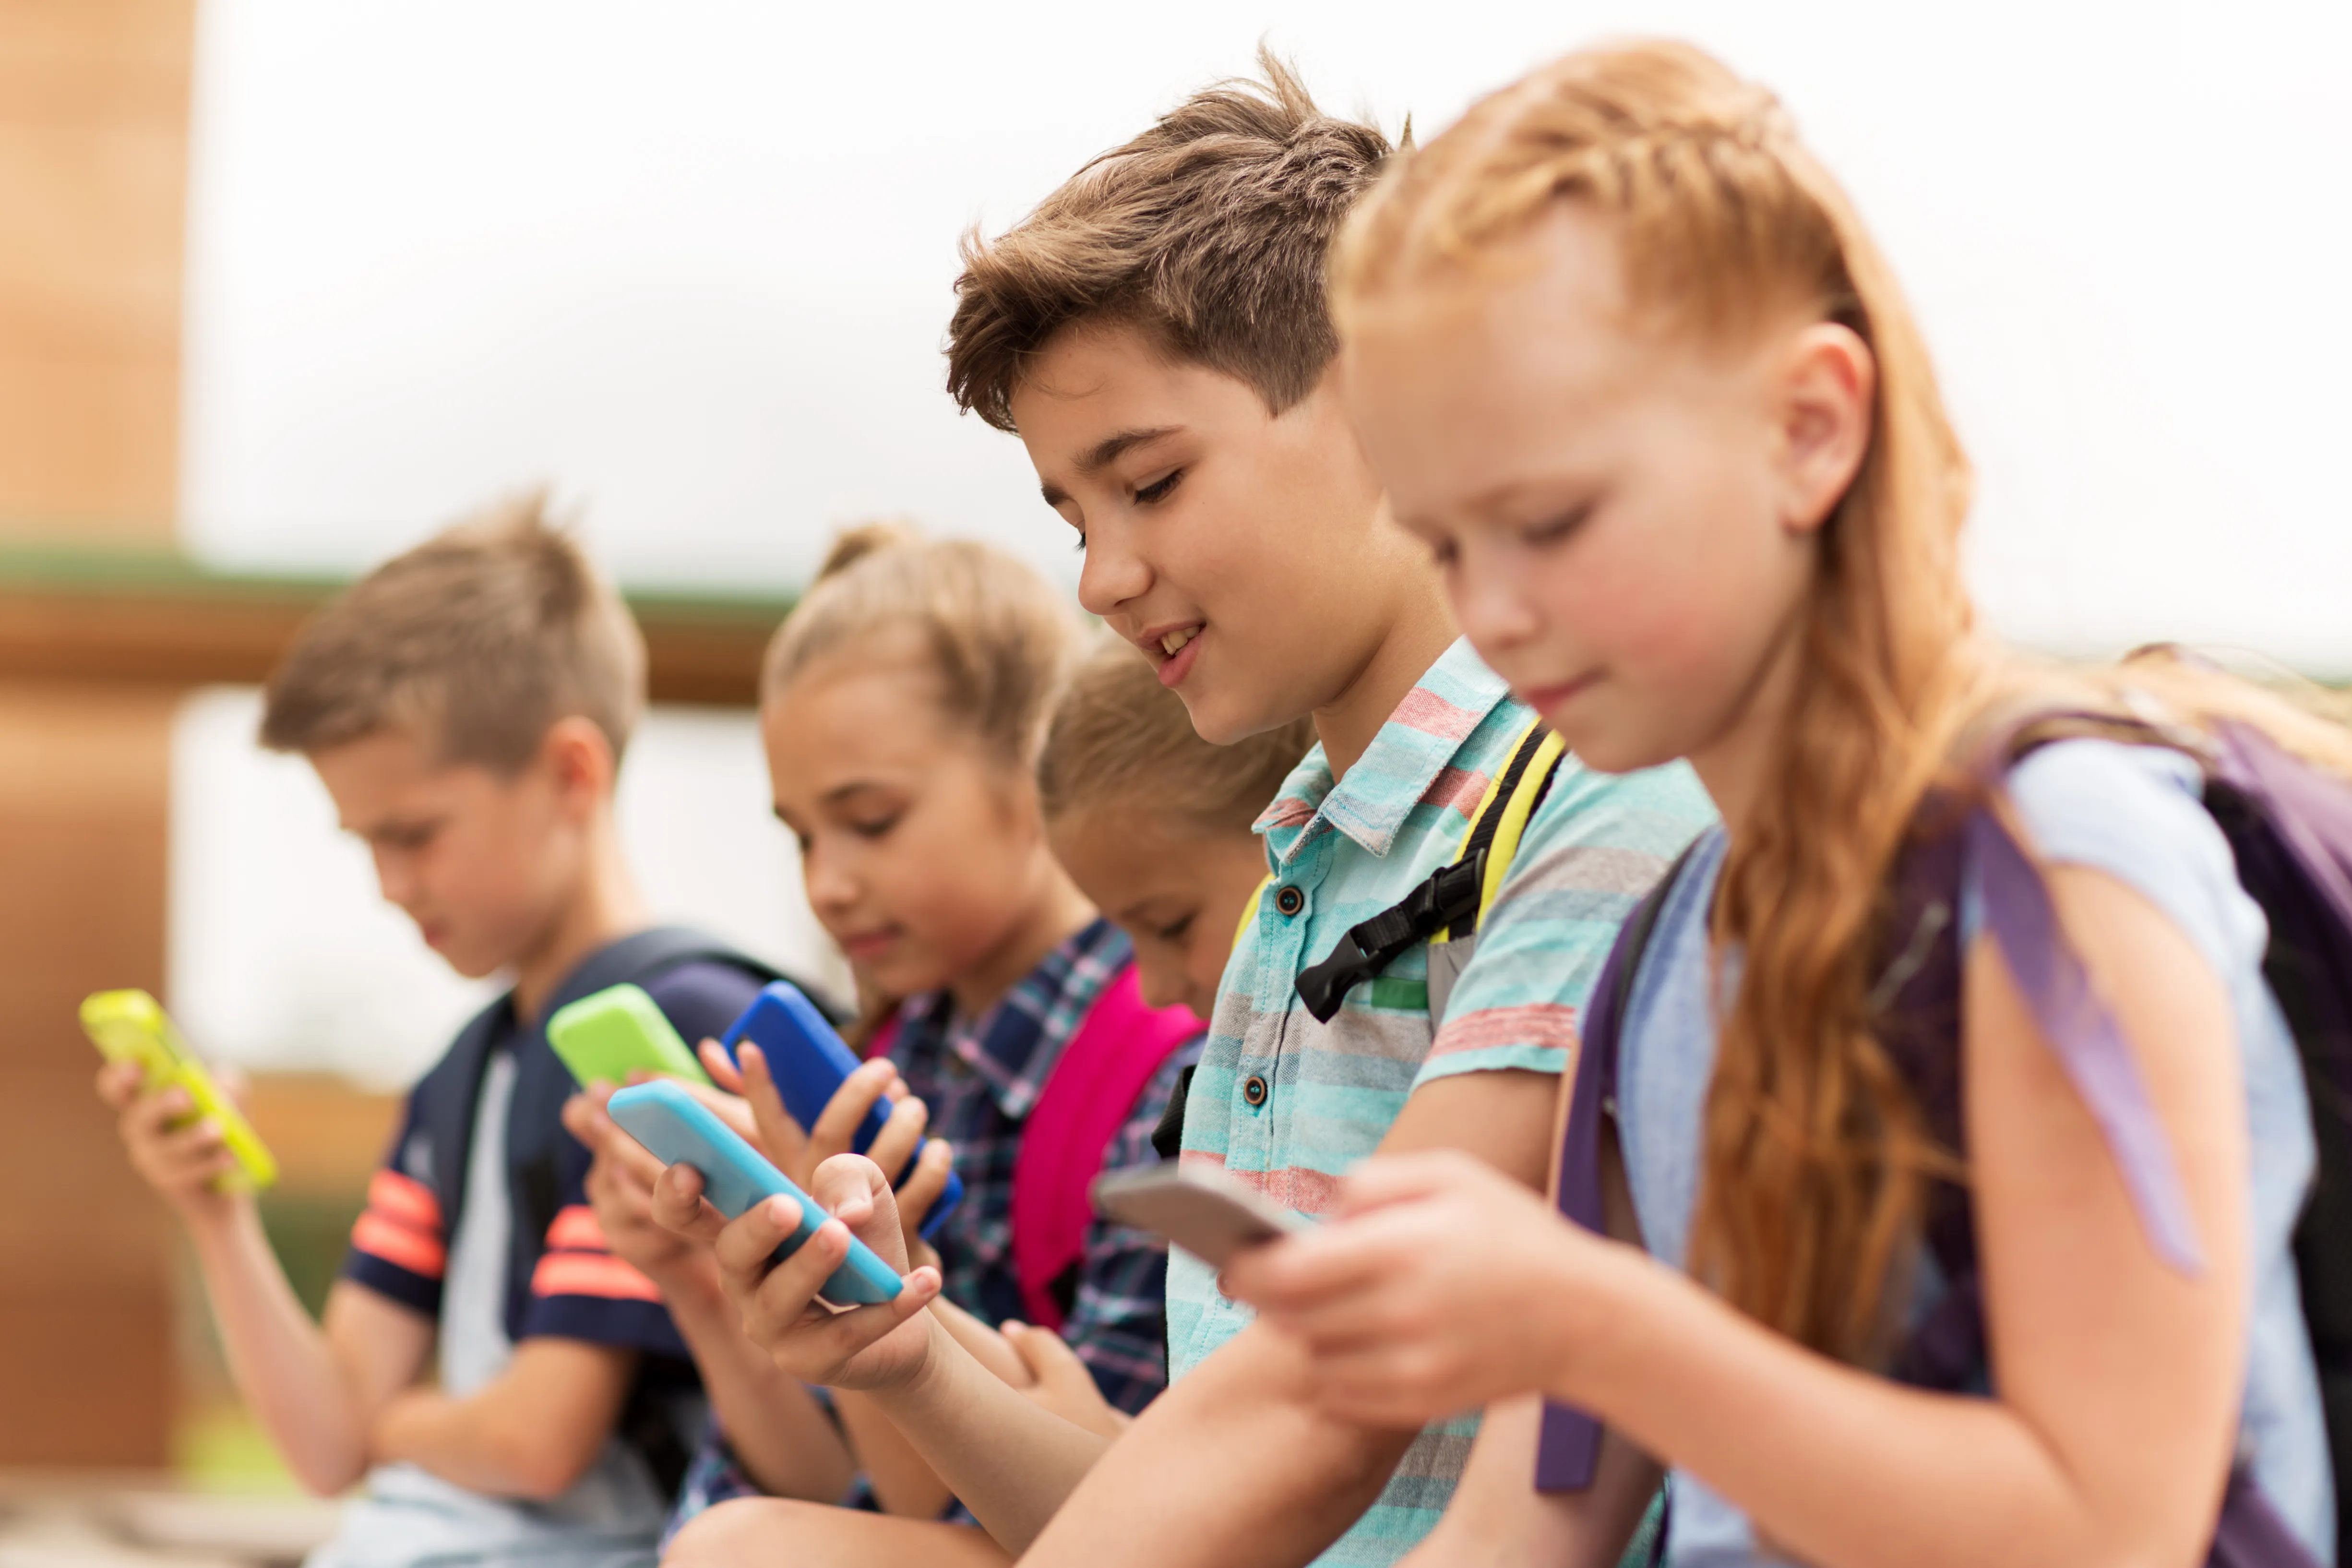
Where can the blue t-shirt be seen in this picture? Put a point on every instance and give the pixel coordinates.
(2134, 813)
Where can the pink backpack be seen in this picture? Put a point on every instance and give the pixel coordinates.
(1088, 1099)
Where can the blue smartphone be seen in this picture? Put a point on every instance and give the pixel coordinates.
(681, 1130)
(809, 1061)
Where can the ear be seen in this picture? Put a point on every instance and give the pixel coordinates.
(1826, 399)
(579, 760)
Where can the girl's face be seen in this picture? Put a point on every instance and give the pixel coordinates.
(1625, 524)
(1176, 890)
(922, 852)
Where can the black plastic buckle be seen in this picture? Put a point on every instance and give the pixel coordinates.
(1451, 893)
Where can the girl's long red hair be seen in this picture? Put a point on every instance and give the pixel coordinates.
(1816, 1157)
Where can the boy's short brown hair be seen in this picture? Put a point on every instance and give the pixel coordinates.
(1208, 231)
(480, 639)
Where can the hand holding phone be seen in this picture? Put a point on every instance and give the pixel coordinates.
(130, 1027)
(1209, 1215)
(681, 1130)
(810, 1062)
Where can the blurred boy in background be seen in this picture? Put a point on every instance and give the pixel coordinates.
(466, 706)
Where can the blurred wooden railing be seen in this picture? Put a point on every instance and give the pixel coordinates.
(151, 618)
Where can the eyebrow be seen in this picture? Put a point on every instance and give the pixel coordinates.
(1106, 452)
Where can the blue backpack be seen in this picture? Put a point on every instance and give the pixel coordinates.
(2289, 824)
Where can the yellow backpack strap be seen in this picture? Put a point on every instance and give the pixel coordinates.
(1249, 910)
(1503, 813)
(1447, 905)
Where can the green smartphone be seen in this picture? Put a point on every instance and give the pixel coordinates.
(131, 1026)
(615, 1032)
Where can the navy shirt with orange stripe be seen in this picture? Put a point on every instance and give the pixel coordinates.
(577, 1289)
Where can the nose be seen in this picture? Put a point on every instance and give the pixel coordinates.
(1115, 573)
(830, 886)
(395, 879)
(1163, 984)
(1491, 604)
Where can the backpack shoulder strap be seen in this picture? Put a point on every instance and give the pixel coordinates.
(542, 1083)
(1087, 1100)
(1569, 1442)
(1502, 817)
(443, 1110)
(1447, 905)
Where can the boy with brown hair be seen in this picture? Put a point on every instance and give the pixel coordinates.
(466, 706)
(1155, 332)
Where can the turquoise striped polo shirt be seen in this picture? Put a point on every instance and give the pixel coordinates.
(1287, 1105)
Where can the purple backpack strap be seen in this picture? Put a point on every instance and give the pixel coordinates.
(1568, 1444)
(1087, 1100)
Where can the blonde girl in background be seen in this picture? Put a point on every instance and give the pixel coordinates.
(1156, 825)
(1628, 361)
(904, 703)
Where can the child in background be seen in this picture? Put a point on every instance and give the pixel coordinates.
(904, 703)
(466, 706)
(1157, 826)
(1155, 332)
(1630, 363)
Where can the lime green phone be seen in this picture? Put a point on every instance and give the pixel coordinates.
(131, 1026)
(617, 1031)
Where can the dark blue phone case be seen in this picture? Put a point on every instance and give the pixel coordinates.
(681, 1130)
(809, 1061)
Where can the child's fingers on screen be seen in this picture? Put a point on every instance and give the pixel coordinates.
(118, 1084)
(679, 1205)
(719, 1066)
(902, 1138)
(197, 1141)
(920, 1191)
(842, 1335)
(725, 1104)
(837, 1126)
(584, 1120)
(781, 1138)
(150, 1114)
(784, 1295)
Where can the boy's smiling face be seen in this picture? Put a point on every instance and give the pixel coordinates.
(1249, 555)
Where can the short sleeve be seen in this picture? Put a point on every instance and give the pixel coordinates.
(2136, 812)
(579, 1289)
(1595, 846)
(400, 1244)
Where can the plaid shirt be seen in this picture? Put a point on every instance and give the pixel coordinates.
(980, 1078)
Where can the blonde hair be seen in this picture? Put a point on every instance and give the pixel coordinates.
(1207, 232)
(1816, 1157)
(481, 638)
(1119, 735)
(997, 637)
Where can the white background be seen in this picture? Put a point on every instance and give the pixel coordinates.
(690, 262)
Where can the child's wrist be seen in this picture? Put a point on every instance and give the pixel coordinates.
(214, 1217)
(1606, 1288)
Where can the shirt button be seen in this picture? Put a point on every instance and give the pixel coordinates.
(1290, 900)
(1254, 1089)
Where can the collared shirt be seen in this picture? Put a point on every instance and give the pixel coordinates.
(1287, 1105)
(981, 1078)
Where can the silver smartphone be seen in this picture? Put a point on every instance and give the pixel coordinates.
(1208, 1215)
